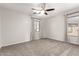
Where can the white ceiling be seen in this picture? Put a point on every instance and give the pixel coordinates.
(26, 7)
(21, 7)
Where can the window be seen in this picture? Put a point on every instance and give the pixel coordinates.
(73, 29)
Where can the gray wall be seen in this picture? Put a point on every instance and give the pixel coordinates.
(54, 27)
(16, 27)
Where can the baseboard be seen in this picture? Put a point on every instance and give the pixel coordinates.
(53, 39)
(15, 43)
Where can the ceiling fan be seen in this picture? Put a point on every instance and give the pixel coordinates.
(43, 5)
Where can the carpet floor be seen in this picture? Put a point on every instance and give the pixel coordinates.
(42, 47)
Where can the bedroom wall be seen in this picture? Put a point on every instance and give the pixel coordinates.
(54, 27)
(16, 27)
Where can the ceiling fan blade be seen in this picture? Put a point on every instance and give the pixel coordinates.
(49, 9)
(36, 9)
(33, 9)
(45, 13)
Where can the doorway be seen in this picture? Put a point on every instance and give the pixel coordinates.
(35, 29)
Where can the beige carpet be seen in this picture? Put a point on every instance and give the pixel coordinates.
(42, 47)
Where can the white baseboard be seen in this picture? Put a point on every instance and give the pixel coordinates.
(14, 43)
